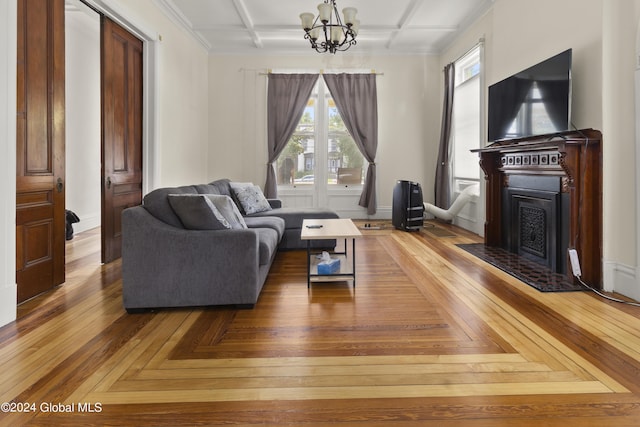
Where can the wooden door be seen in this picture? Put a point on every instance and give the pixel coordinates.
(40, 132)
(121, 131)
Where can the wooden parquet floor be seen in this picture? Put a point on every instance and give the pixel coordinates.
(430, 336)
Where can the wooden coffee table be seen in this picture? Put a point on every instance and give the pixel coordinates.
(329, 229)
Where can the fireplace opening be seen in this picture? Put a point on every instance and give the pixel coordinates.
(534, 226)
(534, 221)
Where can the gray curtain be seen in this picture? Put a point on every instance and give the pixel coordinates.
(357, 101)
(442, 188)
(286, 98)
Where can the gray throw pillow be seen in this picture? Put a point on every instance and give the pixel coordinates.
(228, 209)
(233, 196)
(197, 212)
(251, 198)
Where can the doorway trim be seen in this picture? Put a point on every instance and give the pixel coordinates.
(634, 275)
(8, 49)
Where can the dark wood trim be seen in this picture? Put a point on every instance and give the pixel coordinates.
(579, 162)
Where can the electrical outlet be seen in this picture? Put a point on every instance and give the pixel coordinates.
(575, 262)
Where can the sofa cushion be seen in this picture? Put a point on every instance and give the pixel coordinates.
(228, 209)
(197, 212)
(275, 203)
(207, 189)
(272, 222)
(250, 197)
(293, 216)
(157, 204)
(222, 187)
(267, 244)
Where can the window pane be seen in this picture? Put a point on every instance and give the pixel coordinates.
(466, 125)
(345, 162)
(296, 162)
(468, 66)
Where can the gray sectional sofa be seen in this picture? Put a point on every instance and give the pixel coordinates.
(165, 264)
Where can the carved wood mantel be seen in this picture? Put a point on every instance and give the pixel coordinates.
(575, 157)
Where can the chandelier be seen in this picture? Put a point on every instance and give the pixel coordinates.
(326, 32)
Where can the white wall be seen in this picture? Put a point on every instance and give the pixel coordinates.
(183, 109)
(82, 113)
(408, 104)
(526, 32)
(179, 95)
(621, 264)
(520, 33)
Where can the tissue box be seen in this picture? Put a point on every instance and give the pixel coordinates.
(329, 267)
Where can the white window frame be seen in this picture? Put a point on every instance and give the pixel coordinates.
(342, 198)
(470, 66)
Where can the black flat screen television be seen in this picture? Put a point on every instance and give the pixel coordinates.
(535, 101)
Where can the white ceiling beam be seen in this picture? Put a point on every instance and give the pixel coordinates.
(409, 13)
(241, 8)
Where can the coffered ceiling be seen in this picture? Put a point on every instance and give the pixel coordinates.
(273, 27)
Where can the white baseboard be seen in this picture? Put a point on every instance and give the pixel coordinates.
(622, 279)
(382, 213)
(87, 222)
(8, 298)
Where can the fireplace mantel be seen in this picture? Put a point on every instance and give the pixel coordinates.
(576, 159)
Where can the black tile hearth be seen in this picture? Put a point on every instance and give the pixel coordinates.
(531, 273)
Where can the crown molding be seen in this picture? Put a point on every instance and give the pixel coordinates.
(177, 17)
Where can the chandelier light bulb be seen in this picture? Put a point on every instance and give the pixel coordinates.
(315, 33)
(349, 14)
(336, 35)
(355, 27)
(325, 10)
(307, 20)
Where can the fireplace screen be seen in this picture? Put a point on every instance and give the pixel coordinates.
(533, 230)
(533, 226)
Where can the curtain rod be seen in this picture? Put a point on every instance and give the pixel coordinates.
(373, 71)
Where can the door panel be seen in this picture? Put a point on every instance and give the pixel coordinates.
(121, 131)
(40, 219)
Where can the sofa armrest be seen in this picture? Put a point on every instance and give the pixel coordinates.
(275, 203)
(165, 266)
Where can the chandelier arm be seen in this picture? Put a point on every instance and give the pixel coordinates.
(335, 10)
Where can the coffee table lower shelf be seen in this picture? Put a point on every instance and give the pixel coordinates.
(347, 267)
(331, 229)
